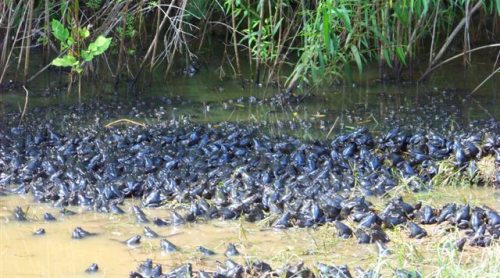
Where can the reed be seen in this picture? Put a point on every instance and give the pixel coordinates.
(286, 41)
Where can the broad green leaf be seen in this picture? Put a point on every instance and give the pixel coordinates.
(100, 45)
(87, 56)
(65, 61)
(69, 42)
(59, 31)
(84, 33)
(78, 69)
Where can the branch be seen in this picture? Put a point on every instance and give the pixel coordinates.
(484, 81)
(454, 57)
(25, 104)
(450, 39)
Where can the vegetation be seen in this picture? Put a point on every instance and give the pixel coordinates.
(71, 43)
(284, 41)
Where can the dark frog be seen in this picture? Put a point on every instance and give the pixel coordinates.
(79, 233)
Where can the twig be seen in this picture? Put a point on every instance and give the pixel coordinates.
(6, 62)
(454, 57)
(450, 38)
(43, 69)
(258, 43)
(28, 40)
(235, 42)
(331, 129)
(126, 121)
(25, 104)
(484, 81)
(375, 119)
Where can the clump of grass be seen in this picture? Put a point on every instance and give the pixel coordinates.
(267, 221)
(405, 252)
(484, 262)
(487, 170)
(449, 174)
(242, 231)
(286, 257)
(324, 240)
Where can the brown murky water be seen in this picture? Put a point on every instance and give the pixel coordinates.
(57, 255)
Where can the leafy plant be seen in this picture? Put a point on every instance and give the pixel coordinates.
(75, 59)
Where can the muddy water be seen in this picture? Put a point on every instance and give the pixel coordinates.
(55, 254)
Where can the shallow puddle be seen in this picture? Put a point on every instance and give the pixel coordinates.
(56, 254)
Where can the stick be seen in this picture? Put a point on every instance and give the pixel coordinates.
(259, 39)
(235, 43)
(126, 121)
(454, 57)
(25, 104)
(450, 39)
(331, 129)
(484, 81)
(28, 40)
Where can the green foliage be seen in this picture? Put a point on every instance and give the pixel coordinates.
(93, 4)
(329, 35)
(99, 46)
(127, 31)
(318, 40)
(73, 58)
(65, 61)
(61, 33)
